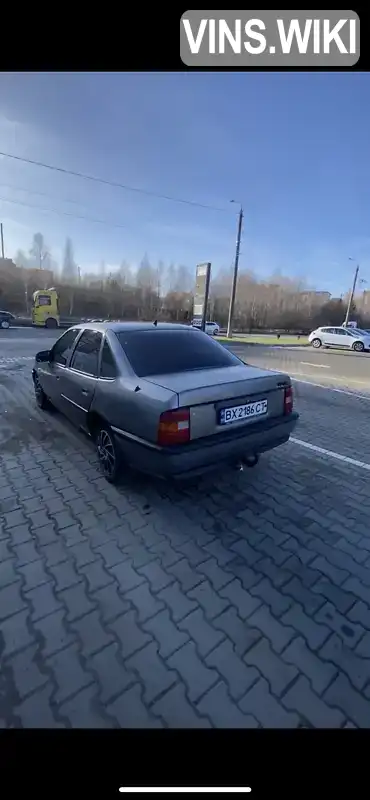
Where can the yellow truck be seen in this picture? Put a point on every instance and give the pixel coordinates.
(45, 308)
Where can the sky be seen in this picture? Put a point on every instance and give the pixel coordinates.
(293, 148)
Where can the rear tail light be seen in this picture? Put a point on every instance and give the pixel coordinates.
(174, 427)
(288, 400)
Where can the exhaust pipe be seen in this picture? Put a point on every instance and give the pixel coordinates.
(248, 461)
(252, 461)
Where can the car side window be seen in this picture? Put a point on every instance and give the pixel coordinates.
(86, 355)
(62, 348)
(341, 332)
(108, 367)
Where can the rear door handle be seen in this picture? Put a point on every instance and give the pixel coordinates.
(85, 392)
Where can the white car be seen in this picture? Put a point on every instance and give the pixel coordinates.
(212, 328)
(341, 338)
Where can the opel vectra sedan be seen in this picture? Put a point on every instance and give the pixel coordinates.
(164, 399)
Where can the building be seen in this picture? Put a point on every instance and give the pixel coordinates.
(315, 299)
(363, 301)
(39, 278)
(7, 266)
(33, 278)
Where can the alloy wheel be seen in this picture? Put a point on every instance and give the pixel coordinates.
(106, 453)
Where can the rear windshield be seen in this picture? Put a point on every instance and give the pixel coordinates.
(160, 352)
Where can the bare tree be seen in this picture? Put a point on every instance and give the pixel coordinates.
(125, 274)
(160, 271)
(171, 278)
(69, 269)
(147, 282)
(146, 275)
(39, 251)
(21, 259)
(183, 280)
(277, 302)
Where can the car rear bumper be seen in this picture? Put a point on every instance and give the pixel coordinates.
(199, 457)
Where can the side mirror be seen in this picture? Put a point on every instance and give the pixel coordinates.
(43, 355)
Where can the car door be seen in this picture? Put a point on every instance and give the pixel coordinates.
(342, 338)
(348, 337)
(327, 336)
(80, 377)
(51, 372)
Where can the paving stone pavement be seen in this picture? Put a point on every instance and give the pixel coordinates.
(240, 601)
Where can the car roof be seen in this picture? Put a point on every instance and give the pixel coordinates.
(349, 329)
(121, 327)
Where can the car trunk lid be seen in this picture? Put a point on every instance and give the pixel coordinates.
(209, 393)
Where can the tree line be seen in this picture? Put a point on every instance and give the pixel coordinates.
(165, 291)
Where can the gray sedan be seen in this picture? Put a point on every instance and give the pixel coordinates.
(164, 399)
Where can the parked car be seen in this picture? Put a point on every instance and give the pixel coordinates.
(341, 338)
(363, 332)
(164, 399)
(212, 328)
(6, 319)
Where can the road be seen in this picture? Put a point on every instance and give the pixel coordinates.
(334, 416)
(241, 601)
(343, 369)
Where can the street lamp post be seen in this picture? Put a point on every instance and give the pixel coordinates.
(352, 292)
(235, 273)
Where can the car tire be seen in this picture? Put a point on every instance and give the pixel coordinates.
(4, 324)
(41, 398)
(316, 343)
(51, 323)
(109, 458)
(359, 347)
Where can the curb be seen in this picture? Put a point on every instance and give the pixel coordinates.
(259, 344)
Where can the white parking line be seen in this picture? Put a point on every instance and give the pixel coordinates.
(331, 388)
(352, 461)
(341, 378)
(14, 360)
(145, 789)
(317, 366)
(26, 341)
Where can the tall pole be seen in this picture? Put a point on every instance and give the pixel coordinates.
(235, 275)
(2, 240)
(206, 294)
(350, 300)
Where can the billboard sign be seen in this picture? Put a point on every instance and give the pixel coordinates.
(202, 279)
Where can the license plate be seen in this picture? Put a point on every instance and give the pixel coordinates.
(247, 411)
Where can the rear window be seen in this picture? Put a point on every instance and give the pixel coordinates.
(165, 352)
